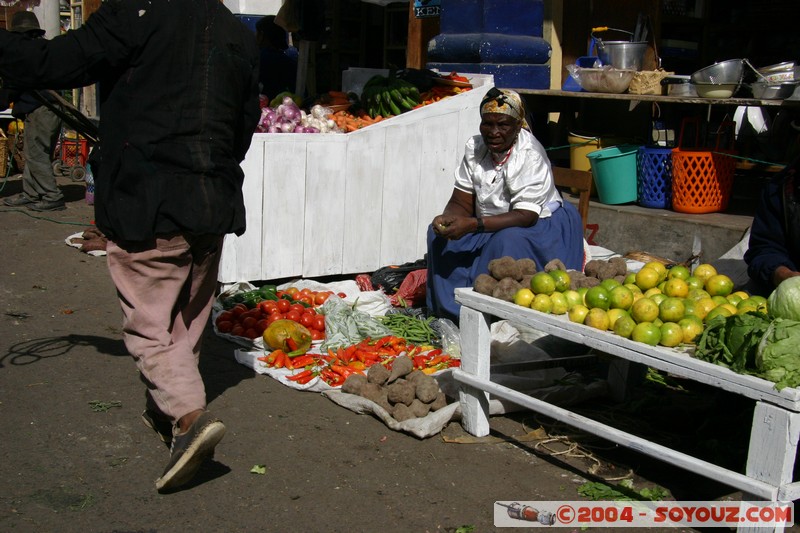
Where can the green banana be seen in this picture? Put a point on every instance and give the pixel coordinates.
(387, 97)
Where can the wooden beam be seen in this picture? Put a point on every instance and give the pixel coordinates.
(420, 31)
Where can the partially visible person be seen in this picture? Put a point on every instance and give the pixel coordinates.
(178, 89)
(505, 203)
(773, 253)
(278, 70)
(40, 191)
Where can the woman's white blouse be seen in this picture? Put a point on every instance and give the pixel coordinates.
(525, 181)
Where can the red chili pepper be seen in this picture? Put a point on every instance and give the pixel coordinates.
(280, 359)
(291, 344)
(306, 379)
(301, 375)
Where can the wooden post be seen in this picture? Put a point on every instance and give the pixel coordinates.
(420, 31)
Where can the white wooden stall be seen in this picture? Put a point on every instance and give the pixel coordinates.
(776, 418)
(329, 204)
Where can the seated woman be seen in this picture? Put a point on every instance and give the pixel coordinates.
(505, 203)
(773, 253)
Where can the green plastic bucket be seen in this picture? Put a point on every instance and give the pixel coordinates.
(614, 172)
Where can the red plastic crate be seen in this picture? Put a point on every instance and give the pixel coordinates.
(74, 152)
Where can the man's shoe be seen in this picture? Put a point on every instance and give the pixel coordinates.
(189, 450)
(18, 201)
(158, 423)
(48, 205)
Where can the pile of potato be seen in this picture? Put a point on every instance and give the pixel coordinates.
(403, 392)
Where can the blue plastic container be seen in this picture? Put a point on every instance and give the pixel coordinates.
(614, 172)
(654, 173)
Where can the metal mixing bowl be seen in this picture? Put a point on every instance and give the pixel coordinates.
(764, 90)
(727, 72)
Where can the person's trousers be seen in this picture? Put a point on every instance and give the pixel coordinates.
(42, 127)
(166, 289)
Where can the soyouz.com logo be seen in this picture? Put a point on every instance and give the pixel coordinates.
(643, 514)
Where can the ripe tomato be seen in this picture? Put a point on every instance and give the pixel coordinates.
(251, 333)
(284, 305)
(237, 330)
(306, 292)
(300, 308)
(261, 325)
(226, 316)
(307, 319)
(319, 323)
(321, 297)
(239, 309)
(292, 291)
(317, 335)
(293, 315)
(273, 317)
(224, 326)
(249, 322)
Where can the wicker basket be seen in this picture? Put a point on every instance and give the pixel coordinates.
(15, 146)
(648, 81)
(3, 153)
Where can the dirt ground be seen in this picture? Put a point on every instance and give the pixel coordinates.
(75, 455)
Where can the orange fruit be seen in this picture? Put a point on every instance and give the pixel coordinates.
(702, 307)
(562, 279)
(609, 284)
(646, 332)
(560, 303)
(671, 334)
(671, 310)
(597, 296)
(676, 287)
(523, 297)
(573, 298)
(644, 310)
(597, 318)
(577, 313)
(543, 283)
(659, 267)
(542, 302)
(719, 285)
(694, 283)
(679, 272)
(620, 297)
(719, 310)
(647, 278)
(692, 327)
(624, 326)
(704, 271)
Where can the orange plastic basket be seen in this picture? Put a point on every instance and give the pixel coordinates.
(702, 179)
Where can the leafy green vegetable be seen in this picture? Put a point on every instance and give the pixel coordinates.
(784, 302)
(732, 341)
(778, 353)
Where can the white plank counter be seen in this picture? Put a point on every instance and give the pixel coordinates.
(331, 203)
(776, 420)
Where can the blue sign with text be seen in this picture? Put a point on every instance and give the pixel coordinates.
(427, 8)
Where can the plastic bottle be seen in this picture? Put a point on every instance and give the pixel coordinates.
(89, 185)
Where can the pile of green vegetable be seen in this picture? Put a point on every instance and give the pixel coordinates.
(767, 346)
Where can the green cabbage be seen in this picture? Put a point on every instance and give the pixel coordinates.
(784, 302)
(778, 353)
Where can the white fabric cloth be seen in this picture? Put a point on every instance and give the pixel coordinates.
(525, 181)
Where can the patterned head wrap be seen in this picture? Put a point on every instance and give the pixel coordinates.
(506, 102)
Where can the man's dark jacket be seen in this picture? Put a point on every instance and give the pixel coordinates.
(178, 88)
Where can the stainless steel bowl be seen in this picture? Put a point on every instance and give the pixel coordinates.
(726, 72)
(763, 90)
(786, 71)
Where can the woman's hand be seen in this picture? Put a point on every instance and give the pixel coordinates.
(453, 227)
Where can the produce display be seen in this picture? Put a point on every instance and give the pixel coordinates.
(248, 314)
(382, 97)
(656, 305)
(763, 344)
(335, 366)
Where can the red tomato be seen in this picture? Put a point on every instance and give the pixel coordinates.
(226, 316)
(293, 315)
(307, 319)
(273, 317)
(284, 305)
(224, 326)
(300, 308)
(317, 335)
(238, 330)
(320, 297)
(309, 300)
(292, 291)
(261, 325)
(306, 292)
(239, 309)
(249, 322)
(319, 322)
(251, 333)
(309, 311)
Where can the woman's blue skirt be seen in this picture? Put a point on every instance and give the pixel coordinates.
(457, 263)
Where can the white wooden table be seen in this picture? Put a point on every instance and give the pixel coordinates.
(776, 419)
